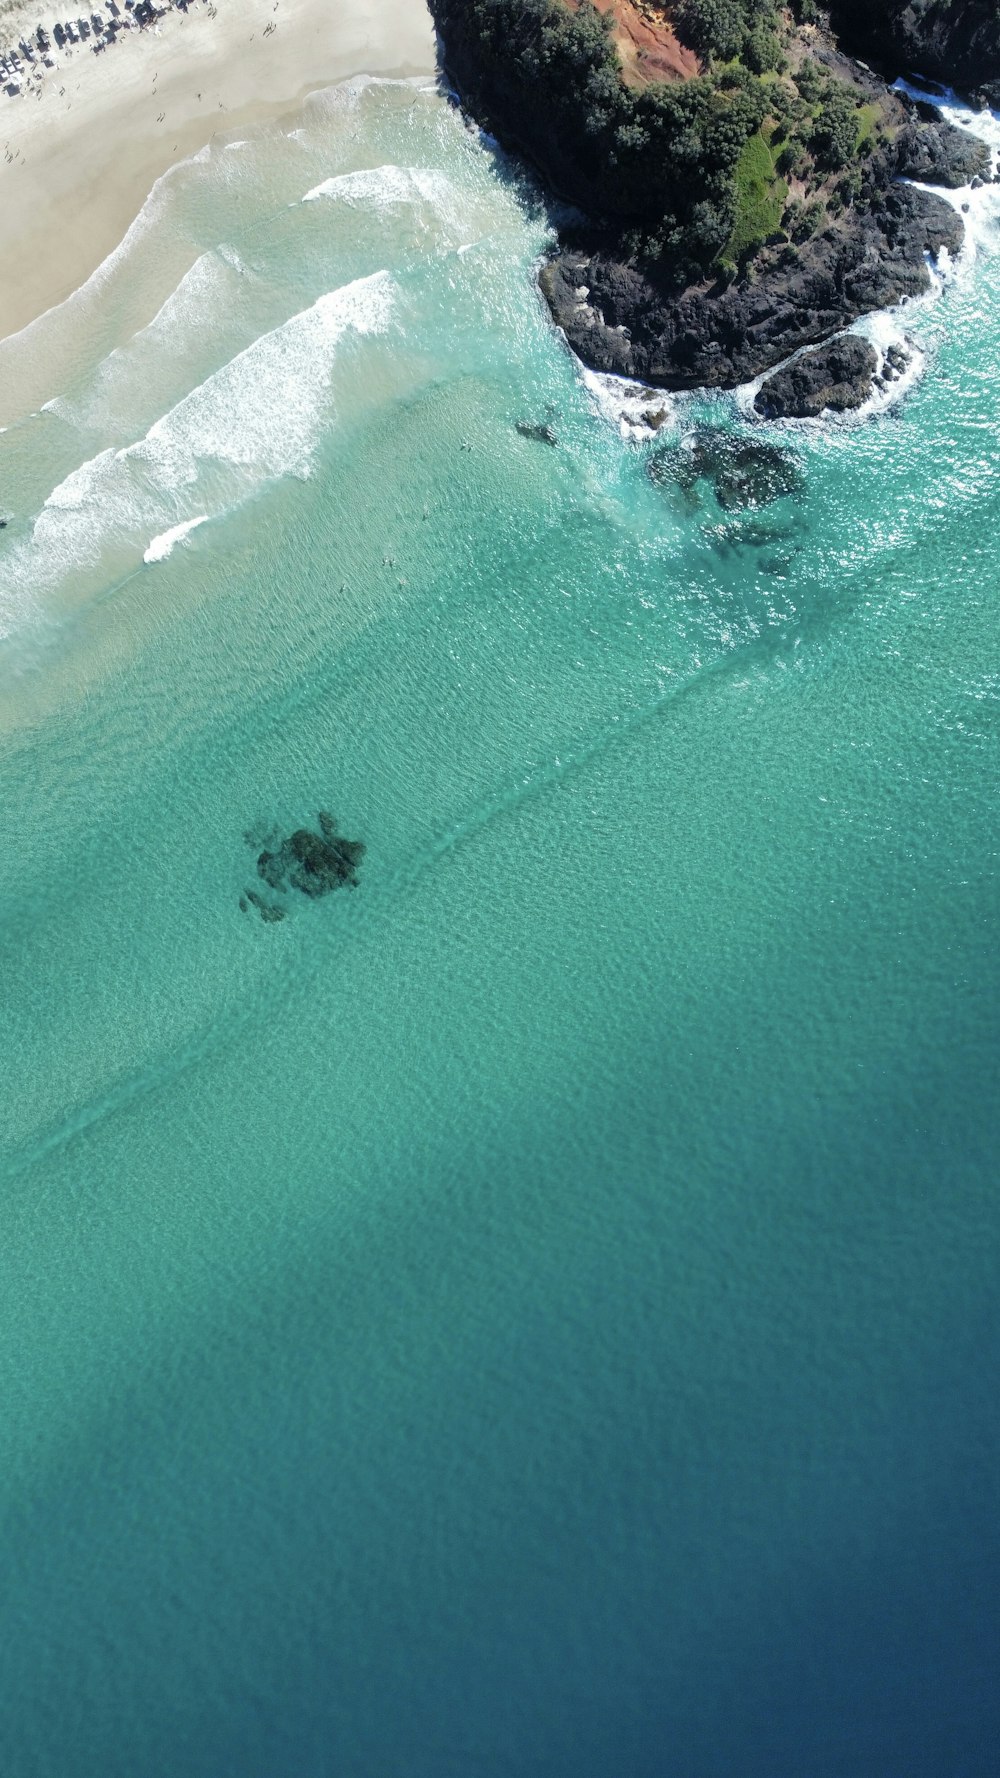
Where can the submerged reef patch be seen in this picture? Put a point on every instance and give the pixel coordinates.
(313, 863)
(742, 473)
(540, 433)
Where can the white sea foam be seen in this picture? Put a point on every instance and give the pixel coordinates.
(262, 410)
(886, 332)
(984, 124)
(161, 547)
(148, 221)
(44, 354)
(41, 357)
(143, 225)
(636, 410)
(980, 206)
(346, 93)
(387, 184)
(980, 210)
(410, 190)
(259, 417)
(219, 298)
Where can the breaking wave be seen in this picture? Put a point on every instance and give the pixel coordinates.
(161, 547)
(257, 418)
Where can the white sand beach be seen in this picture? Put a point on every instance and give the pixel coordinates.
(81, 147)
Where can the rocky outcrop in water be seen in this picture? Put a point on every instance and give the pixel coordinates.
(831, 378)
(618, 320)
(939, 154)
(725, 221)
(312, 863)
(897, 360)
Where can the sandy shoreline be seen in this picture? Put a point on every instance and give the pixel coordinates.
(79, 160)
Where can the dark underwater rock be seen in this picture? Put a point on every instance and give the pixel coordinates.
(540, 434)
(743, 472)
(315, 865)
(269, 911)
(759, 543)
(270, 867)
(833, 377)
(312, 863)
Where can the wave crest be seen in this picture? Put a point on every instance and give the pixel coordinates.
(161, 547)
(257, 418)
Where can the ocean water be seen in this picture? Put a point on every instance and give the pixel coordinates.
(534, 1313)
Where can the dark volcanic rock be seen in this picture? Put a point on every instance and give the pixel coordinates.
(743, 472)
(836, 376)
(645, 185)
(617, 319)
(940, 154)
(958, 43)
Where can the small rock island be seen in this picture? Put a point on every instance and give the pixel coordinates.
(742, 181)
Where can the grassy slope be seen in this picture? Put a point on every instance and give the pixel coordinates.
(760, 200)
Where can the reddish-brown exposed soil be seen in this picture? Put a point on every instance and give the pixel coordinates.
(646, 41)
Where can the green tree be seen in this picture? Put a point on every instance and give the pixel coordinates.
(834, 135)
(713, 27)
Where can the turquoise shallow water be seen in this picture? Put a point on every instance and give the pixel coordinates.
(535, 1314)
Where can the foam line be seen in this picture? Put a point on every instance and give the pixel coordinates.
(387, 184)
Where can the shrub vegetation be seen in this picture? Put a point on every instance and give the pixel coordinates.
(692, 174)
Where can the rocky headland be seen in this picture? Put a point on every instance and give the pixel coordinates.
(739, 181)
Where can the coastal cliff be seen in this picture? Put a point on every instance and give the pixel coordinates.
(737, 175)
(956, 41)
